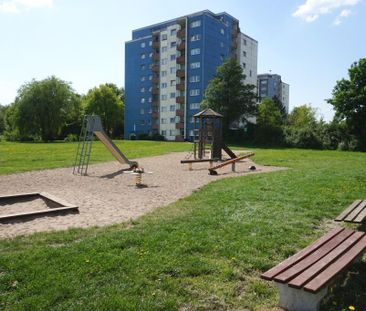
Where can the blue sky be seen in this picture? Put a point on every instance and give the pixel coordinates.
(310, 43)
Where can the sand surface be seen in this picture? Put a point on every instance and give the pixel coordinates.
(108, 196)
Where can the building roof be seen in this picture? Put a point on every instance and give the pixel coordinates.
(208, 112)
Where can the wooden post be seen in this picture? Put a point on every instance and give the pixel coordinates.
(233, 167)
(190, 166)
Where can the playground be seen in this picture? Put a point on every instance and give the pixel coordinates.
(108, 195)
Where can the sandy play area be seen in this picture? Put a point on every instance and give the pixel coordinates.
(108, 196)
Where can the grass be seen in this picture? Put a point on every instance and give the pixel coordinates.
(204, 252)
(22, 157)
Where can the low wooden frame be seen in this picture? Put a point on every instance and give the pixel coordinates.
(355, 213)
(59, 205)
(304, 278)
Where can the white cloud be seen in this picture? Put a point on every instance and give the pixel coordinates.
(313, 9)
(339, 19)
(15, 6)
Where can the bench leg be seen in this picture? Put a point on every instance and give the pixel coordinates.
(189, 166)
(293, 299)
(233, 167)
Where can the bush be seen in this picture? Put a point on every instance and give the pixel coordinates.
(71, 138)
(303, 138)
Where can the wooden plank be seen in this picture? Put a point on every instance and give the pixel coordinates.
(23, 195)
(327, 260)
(348, 210)
(289, 262)
(361, 216)
(40, 212)
(229, 151)
(355, 212)
(323, 278)
(315, 256)
(59, 201)
(231, 161)
(198, 160)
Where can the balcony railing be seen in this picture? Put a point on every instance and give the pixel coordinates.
(181, 46)
(155, 44)
(179, 113)
(156, 57)
(155, 80)
(155, 115)
(181, 60)
(181, 33)
(155, 91)
(234, 45)
(180, 86)
(155, 126)
(179, 100)
(155, 68)
(179, 138)
(179, 125)
(181, 73)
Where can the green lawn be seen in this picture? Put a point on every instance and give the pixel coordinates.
(204, 252)
(21, 157)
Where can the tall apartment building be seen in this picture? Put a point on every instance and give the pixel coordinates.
(168, 66)
(271, 85)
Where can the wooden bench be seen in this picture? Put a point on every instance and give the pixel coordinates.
(355, 213)
(304, 278)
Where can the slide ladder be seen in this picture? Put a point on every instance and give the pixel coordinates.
(93, 125)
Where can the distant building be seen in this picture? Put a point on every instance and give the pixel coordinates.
(168, 67)
(271, 85)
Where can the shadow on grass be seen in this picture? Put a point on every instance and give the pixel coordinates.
(349, 290)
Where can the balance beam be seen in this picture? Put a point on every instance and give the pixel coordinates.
(212, 170)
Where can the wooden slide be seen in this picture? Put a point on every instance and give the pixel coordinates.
(212, 170)
(109, 144)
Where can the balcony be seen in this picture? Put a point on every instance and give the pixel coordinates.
(180, 86)
(179, 113)
(179, 125)
(156, 57)
(234, 45)
(156, 45)
(234, 34)
(155, 68)
(181, 46)
(179, 100)
(181, 60)
(182, 22)
(155, 115)
(181, 73)
(155, 91)
(155, 80)
(155, 126)
(181, 33)
(179, 138)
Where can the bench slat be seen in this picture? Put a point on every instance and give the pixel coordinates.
(356, 211)
(361, 217)
(326, 261)
(289, 262)
(340, 264)
(313, 257)
(348, 210)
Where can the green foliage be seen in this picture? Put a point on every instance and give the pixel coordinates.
(105, 102)
(349, 101)
(204, 252)
(269, 122)
(2, 118)
(227, 94)
(41, 110)
(302, 116)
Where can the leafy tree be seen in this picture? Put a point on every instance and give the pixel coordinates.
(227, 94)
(103, 101)
(280, 107)
(349, 101)
(302, 116)
(41, 109)
(269, 122)
(2, 118)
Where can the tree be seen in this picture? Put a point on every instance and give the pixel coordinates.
(269, 122)
(103, 101)
(227, 94)
(302, 116)
(349, 101)
(2, 118)
(41, 108)
(280, 107)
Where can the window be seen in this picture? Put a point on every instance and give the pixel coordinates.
(142, 78)
(194, 92)
(173, 32)
(196, 37)
(150, 88)
(195, 24)
(142, 110)
(196, 51)
(142, 90)
(191, 120)
(142, 122)
(172, 120)
(150, 77)
(163, 133)
(222, 57)
(250, 73)
(164, 61)
(194, 79)
(263, 81)
(163, 109)
(191, 133)
(150, 54)
(194, 106)
(173, 57)
(164, 85)
(195, 65)
(173, 44)
(163, 121)
(172, 108)
(143, 44)
(244, 54)
(222, 31)
(150, 99)
(222, 44)
(172, 82)
(163, 73)
(164, 37)
(142, 67)
(142, 100)
(173, 70)
(150, 43)
(172, 95)
(164, 49)
(164, 97)
(143, 56)
(172, 132)
(244, 42)
(244, 65)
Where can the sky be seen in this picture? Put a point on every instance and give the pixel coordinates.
(310, 43)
